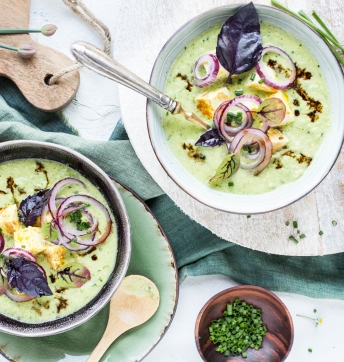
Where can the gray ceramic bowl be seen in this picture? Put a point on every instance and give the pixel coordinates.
(31, 149)
(283, 195)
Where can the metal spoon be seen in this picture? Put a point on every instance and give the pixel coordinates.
(134, 302)
(96, 60)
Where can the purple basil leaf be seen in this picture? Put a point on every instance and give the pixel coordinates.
(239, 44)
(31, 208)
(210, 138)
(73, 275)
(25, 277)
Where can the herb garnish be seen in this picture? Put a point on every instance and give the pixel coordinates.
(73, 275)
(240, 328)
(210, 138)
(31, 207)
(228, 167)
(239, 44)
(76, 217)
(26, 277)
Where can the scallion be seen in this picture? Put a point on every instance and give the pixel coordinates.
(239, 92)
(253, 75)
(292, 238)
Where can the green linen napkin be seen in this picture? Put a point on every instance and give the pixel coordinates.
(197, 250)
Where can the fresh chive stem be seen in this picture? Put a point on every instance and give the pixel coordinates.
(19, 31)
(319, 20)
(8, 47)
(304, 15)
(304, 316)
(292, 238)
(309, 23)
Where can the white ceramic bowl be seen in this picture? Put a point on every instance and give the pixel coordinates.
(326, 155)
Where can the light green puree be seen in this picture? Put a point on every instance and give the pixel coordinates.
(100, 262)
(304, 136)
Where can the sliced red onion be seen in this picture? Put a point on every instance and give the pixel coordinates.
(2, 243)
(18, 298)
(46, 211)
(61, 240)
(251, 136)
(18, 253)
(211, 65)
(271, 81)
(56, 188)
(92, 201)
(248, 100)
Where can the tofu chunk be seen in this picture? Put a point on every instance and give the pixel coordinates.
(9, 221)
(32, 239)
(278, 139)
(207, 102)
(55, 255)
(288, 111)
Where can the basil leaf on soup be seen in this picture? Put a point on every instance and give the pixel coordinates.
(228, 167)
(26, 277)
(239, 44)
(31, 207)
(210, 138)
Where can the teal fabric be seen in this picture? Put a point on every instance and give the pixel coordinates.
(197, 250)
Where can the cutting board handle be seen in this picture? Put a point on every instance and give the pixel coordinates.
(32, 75)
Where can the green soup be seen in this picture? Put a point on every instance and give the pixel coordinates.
(305, 133)
(29, 176)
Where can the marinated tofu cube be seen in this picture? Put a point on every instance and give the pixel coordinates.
(278, 139)
(55, 255)
(9, 221)
(209, 101)
(31, 239)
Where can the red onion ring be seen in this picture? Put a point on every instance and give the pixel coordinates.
(2, 243)
(18, 298)
(18, 253)
(56, 188)
(250, 136)
(46, 211)
(211, 65)
(92, 201)
(263, 71)
(61, 241)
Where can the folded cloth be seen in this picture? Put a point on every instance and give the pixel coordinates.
(197, 250)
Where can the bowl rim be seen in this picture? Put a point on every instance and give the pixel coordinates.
(240, 288)
(60, 325)
(166, 168)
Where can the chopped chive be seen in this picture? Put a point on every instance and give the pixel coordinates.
(23, 246)
(302, 236)
(248, 216)
(295, 224)
(230, 183)
(298, 231)
(321, 232)
(310, 350)
(261, 80)
(314, 310)
(239, 92)
(292, 238)
(287, 223)
(253, 75)
(334, 222)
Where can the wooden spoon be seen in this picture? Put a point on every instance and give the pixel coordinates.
(134, 302)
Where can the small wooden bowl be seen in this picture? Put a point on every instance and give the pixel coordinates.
(277, 342)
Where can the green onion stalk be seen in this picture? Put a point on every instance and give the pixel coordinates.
(325, 32)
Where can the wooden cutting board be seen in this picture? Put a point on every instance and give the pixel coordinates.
(31, 75)
(158, 20)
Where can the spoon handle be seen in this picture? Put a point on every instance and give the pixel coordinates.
(113, 330)
(93, 58)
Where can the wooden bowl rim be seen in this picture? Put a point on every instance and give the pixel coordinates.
(241, 288)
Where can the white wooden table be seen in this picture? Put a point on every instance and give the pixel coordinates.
(98, 121)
